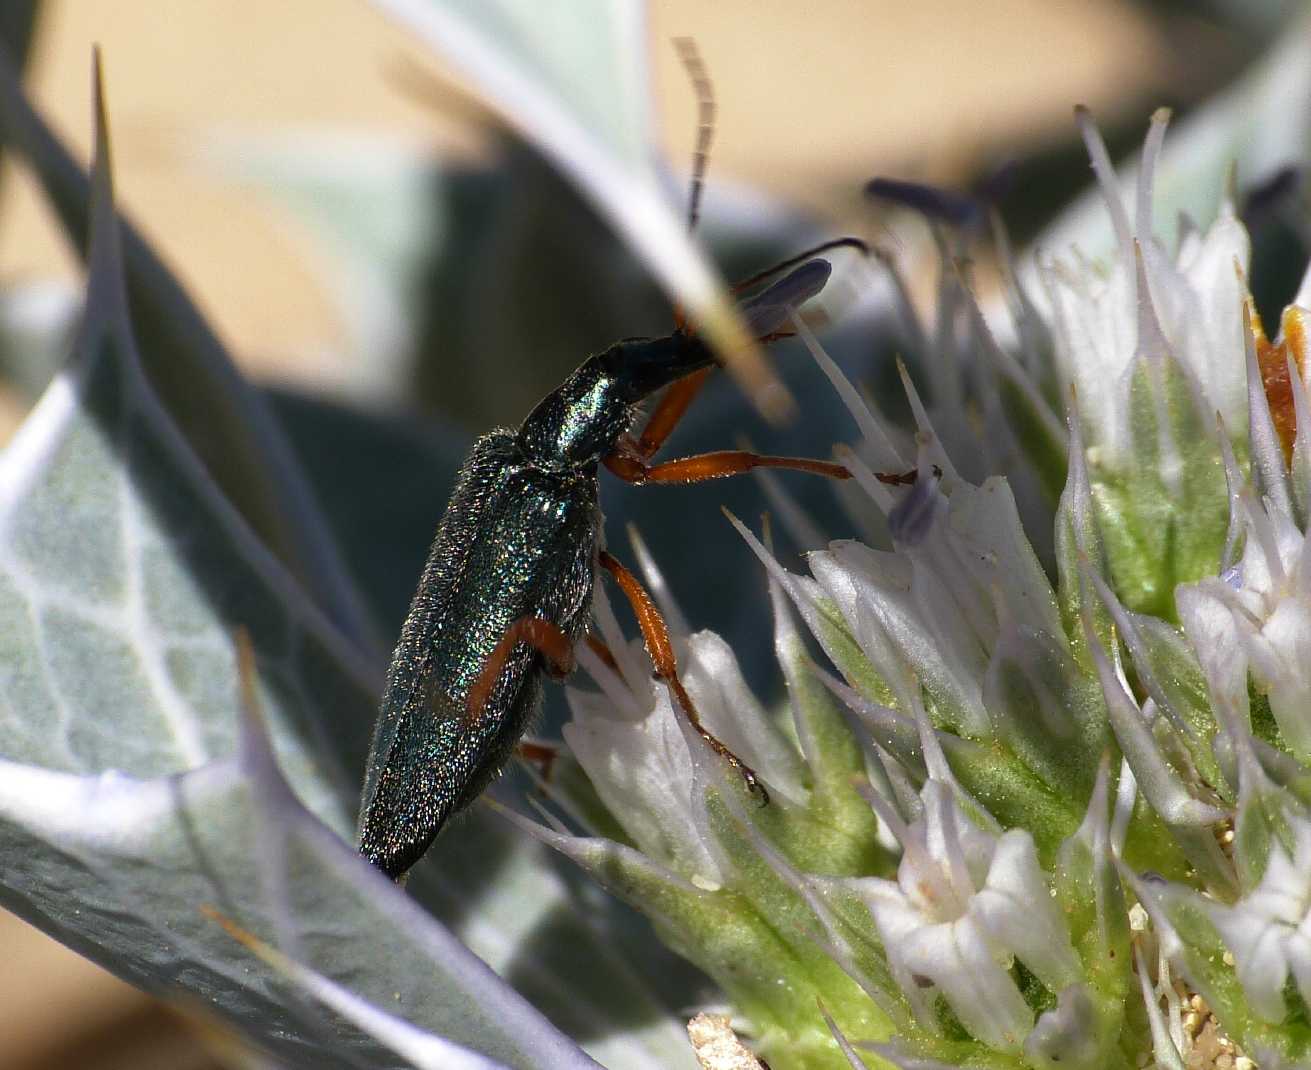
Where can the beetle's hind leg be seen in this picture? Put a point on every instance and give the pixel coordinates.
(656, 636)
(540, 755)
(543, 636)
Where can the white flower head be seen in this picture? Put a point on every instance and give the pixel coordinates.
(964, 905)
(961, 592)
(986, 700)
(1268, 931)
(1142, 305)
(1256, 616)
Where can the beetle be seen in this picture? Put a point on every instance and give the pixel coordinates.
(507, 588)
(506, 591)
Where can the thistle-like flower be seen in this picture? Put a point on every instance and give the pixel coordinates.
(1019, 789)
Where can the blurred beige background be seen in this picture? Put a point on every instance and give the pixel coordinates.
(809, 107)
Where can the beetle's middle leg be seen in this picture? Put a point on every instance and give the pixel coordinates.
(543, 636)
(656, 636)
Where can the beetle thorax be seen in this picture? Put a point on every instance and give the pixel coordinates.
(578, 423)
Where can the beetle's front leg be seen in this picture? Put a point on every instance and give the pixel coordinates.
(715, 465)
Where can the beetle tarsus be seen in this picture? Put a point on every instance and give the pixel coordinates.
(904, 479)
(749, 776)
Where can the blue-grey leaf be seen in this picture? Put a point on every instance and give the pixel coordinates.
(225, 421)
(97, 850)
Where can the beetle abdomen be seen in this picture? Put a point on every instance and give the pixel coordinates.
(516, 541)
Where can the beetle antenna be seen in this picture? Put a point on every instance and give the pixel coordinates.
(704, 89)
(793, 261)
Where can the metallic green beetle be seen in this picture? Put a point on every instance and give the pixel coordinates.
(507, 588)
